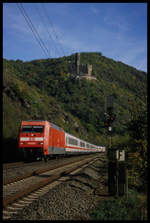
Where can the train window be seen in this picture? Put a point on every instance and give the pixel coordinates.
(33, 129)
(26, 128)
(73, 141)
(87, 145)
(82, 144)
(66, 140)
(38, 128)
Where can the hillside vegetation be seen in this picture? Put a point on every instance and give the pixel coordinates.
(45, 89)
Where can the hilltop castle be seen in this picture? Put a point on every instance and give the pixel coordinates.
(81, 70)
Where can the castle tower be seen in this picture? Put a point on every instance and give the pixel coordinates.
(78, 63)
(89, 69)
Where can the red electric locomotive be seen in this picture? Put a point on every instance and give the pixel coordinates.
(40, 139)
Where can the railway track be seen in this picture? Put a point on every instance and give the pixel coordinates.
(22, 192)
(13, 173)
(7, 166)
(20, 172)
(18, 164)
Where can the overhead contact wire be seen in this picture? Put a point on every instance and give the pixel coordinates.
(43, 23)
(49, 34)
(52, 28)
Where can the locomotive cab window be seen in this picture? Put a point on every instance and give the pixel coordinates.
(33, 129)
(38, 128)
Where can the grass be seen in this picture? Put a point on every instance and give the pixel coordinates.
(132, 208)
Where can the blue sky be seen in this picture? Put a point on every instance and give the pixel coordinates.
(117, 30)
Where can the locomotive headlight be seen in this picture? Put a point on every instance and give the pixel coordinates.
(38, 138)
(41, 143)
(24, 138)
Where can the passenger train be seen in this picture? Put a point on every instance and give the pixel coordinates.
(42, 139)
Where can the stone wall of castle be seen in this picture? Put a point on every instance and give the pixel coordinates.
(81, 70)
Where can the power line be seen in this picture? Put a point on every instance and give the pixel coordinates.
(47, 30)
(52, 28)
(33, 29)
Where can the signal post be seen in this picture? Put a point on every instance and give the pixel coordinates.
(117, 171)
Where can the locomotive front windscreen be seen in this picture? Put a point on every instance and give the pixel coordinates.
(33, 128)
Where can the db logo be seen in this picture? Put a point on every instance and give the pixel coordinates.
(31, 139)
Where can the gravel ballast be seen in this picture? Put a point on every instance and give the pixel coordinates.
(73, 199)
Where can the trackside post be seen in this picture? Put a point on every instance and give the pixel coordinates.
(117, 171)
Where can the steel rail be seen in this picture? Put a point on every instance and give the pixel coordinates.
(37, 172)
(44, 182)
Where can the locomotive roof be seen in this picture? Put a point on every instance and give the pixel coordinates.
(52, 124)
(56, 127)
(34, 121)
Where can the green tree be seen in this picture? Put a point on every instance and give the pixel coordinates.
(137, 150)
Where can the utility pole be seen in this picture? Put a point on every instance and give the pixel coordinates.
(109, 117)
(117, 172)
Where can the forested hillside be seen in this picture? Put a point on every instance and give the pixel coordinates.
(44, 89)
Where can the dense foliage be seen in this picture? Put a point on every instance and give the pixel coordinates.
(45, 89)
(132, 208)
(137, 146)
